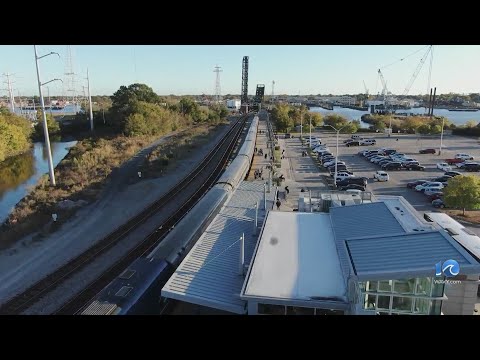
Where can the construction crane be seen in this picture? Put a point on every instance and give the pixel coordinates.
(366, 90)
(385, 90)
(417, 70)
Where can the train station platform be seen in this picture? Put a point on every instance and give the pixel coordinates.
(209, 275)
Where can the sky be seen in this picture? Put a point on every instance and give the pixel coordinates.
(296, 69)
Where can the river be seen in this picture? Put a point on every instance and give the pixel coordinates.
(19, 173)
(456, 117)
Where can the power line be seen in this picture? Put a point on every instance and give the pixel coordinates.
(397, 61)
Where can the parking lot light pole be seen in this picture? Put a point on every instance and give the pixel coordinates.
(336, 154)
(441, 137)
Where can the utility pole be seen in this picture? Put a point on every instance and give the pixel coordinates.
(44, 116)
(90, 102)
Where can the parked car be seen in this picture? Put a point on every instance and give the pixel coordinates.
(471, 167)
(413, 184)
(429, 185)
(353, 143)
(353, 180)
(435, 195)
(452, 173)
(411, 167)
(454, 161)
(433, 191)
(392, 166)
(344, 171)
(443, 178)
(342, 175)
(444, 166)
(352, 187)
(381, 176)
(427, 151)
(464, 156)
(438, 203)
(347, 141)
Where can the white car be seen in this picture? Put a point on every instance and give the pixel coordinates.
(342, 176)
(368, 142)
(464, 156)
(429, 185)
(330, 163)
(444, 166)
(381, 176)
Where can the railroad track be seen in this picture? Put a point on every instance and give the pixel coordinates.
(186, 193)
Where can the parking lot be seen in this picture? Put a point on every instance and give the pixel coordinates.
(409, 145)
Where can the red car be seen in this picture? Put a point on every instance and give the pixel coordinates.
(454, 161)
(427, 151)
(435, 196)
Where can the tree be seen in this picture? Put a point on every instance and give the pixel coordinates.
(424, 129)
(281, 118)
(124, 96)
(335, 120)
(52, 125)
(463, 192)
(470, 124)
(317, 119)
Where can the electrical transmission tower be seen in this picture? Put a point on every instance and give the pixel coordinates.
(10, 92)
(69, 81)
(218, 96)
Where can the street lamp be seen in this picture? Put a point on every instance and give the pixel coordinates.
(441, 137)
(310, 128)
(45, 128)
(336, 154)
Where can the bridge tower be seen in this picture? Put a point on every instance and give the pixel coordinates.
(244, 94)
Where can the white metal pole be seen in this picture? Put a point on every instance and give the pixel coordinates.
(310, 128)
(265, 196)
(45, 127)
(269, 179)
(301, 127)
(441, 137)
(256, 219)
(90, 102)
(310, 199)
(242, 257)
(336, 160)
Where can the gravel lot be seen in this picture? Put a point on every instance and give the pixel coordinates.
(409, 145)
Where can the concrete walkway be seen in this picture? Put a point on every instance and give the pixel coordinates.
(299, 172)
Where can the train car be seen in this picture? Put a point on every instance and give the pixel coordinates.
(238, 168)
(135, 291)
(178, 242)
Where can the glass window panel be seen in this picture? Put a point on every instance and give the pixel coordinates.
(436, 307)
(269, 309)
(371, 285)
(296, 310)
(369, 302)
(402, 303)
(385, 285)
(361, 286)
(406, 286)
(424, 286)
(382, 313)
(383, 302)
(421, 306)
(437, 289)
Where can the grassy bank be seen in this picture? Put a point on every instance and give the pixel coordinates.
(166, 156)
(83, 173)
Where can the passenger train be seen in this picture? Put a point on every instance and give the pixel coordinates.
(137, 290)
